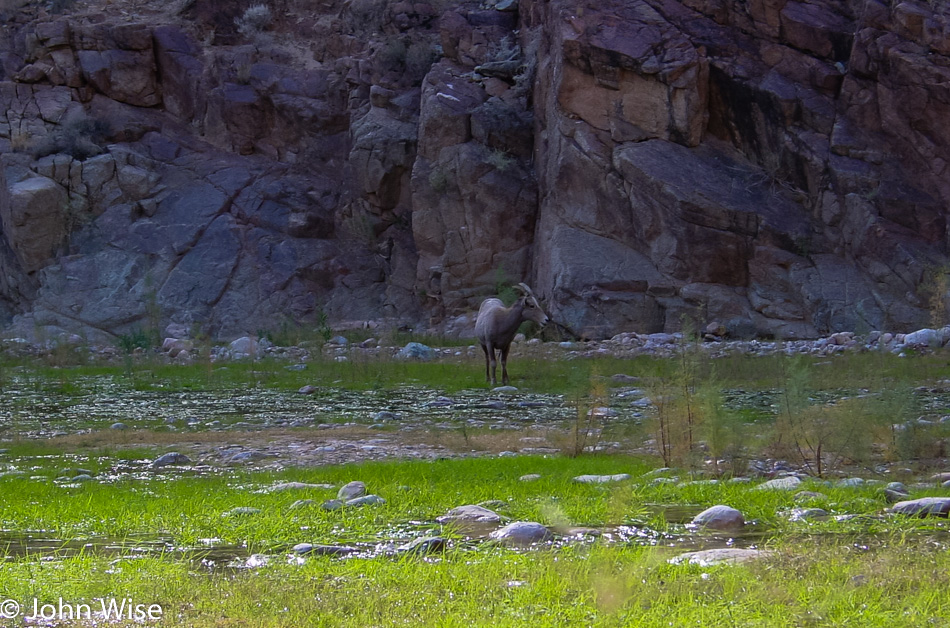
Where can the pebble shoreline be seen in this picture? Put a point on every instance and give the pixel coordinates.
(177, 347)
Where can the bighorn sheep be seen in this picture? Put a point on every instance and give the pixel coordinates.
(497, 325)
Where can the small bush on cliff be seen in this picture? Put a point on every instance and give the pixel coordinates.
(505, 50)
(256, 19)
(9, 7)
(500, 160)
(439, 179)
(935, 287)
(19, 142)
(60, 6)
(391, 57)
(407, 56)
(80, 138)
(503, 287)
(366, 16)
(524, 81)
(419, 58)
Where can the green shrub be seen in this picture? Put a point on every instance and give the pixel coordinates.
(80, 138)
(392, 56)
(500, 160)
(136, 339)
(366, 16)
(439, 179)
(60, 6)
(419, 58)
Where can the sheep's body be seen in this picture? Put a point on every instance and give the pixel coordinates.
(496, 326)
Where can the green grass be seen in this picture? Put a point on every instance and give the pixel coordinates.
(192, 506)
(834, 573)
(831, 585)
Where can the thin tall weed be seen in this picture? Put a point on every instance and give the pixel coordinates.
(588, 425)
(678, 418)
(724, 431)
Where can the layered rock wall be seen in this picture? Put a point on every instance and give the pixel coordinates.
(777, 166)
(743, 162)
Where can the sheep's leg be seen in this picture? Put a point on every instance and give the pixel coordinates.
(487, 364)
(490, 354)
(504, 364)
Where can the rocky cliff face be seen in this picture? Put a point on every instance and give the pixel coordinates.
(777, 166)
(771, 163)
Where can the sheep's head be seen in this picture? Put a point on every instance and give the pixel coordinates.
(532, 309)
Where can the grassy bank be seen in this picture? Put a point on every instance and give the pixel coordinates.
(869, 570)
(183, 538)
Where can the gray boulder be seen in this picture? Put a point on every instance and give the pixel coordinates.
(808, 514)
(924, 338)
(726, 555)
(246, 456)
(244, 347)
(352, 490)
(308, 549)
(365, 500)
(851, 482)
(33, 219)
(602, 479)
(416, 351)
(470, 514)
(923, 507)
(171, 458)
(424, 545)
(719, 518)
(788, 483)
(522, 533)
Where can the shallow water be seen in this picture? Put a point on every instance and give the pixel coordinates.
(40, 545)
(31, 409)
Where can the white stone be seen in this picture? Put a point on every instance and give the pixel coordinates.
(602, 479)
(782, 484)
(923, 338)
(709, 557)
(244, 346)
(470, 513)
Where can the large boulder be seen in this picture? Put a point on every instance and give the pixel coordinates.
(119, 62)
(178, 58)
(34, 214)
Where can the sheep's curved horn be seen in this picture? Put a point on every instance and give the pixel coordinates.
(524, 288)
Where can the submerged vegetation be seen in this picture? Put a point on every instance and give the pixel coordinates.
(88, 516)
